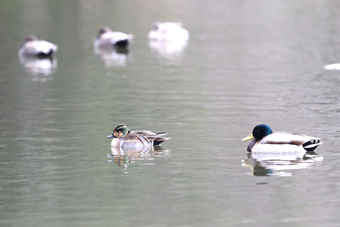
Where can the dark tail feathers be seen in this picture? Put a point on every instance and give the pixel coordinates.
(311, 145)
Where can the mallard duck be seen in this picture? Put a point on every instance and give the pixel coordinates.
(33, 47)
(168, 31)
(109, 39)
(264, 140)
(123, 137)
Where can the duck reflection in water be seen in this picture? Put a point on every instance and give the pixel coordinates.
(168, 40)
(274, 164)
(39, 66)
(271, 152)
(125, 156)
(112, 47)
(38, 56)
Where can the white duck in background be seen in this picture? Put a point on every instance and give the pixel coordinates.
(168, 31)
(168, 40)
(33, 47)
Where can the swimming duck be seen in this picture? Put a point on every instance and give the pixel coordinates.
(264, 140)
(108, 39)
(33, 47)
(123, 137)
(168, 31)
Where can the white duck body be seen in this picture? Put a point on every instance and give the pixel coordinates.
(37, 48)
(168, 31)
(281, 142)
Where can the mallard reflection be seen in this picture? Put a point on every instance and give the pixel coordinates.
(270, 164)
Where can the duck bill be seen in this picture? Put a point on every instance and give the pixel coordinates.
(110, 136)
(250, 137)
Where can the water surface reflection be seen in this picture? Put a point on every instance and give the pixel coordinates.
(168, 50)
(279, 164)
(113, 56)
(124, 156)
(38, 66)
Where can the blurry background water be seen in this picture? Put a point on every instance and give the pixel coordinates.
(247, 62)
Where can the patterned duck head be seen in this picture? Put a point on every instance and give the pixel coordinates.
(259, 132)
(119, 131)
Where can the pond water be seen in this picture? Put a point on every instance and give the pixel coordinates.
(247, 62)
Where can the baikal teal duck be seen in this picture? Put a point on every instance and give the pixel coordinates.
(124, 138)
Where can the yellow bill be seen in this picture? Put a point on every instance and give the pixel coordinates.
(250, 137)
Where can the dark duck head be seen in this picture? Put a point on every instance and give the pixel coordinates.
(259, 132)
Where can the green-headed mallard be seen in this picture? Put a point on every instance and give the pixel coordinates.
(123, 137)
(33, 47)
(264, 140)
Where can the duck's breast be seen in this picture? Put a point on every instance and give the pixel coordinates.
(115, 142)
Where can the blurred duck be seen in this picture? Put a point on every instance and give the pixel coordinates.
(109, 39)
(264, 140)
(123, 137)
(168, 31)
(335, 66)
(37, 48)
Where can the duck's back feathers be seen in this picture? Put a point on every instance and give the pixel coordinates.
(285, 138)
(280, 141)
(156, 138)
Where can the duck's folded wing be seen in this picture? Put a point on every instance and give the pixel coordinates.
(288, 138)
(133, 140)
(157, 138)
